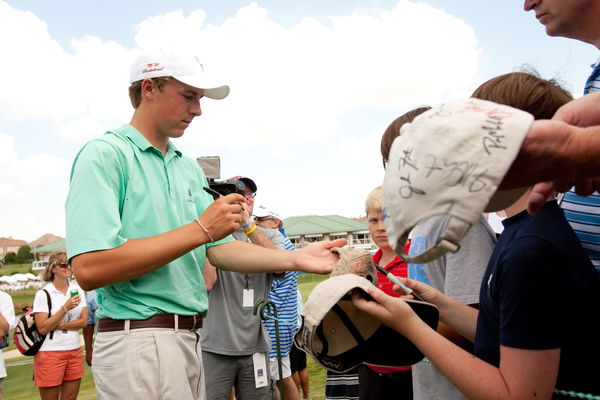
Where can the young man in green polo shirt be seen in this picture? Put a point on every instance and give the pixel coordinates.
(139, 227)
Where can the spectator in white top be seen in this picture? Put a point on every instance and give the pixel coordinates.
(58, 366)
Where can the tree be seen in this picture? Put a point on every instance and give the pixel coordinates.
(10, 258)
(24, 254)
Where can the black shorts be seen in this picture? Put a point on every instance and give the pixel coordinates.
(297, 359)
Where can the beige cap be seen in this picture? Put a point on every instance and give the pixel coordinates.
(355, 261)
(339, 336)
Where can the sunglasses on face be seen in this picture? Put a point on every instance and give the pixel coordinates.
(63, 265)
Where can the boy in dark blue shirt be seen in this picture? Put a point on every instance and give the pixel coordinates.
(535, 332)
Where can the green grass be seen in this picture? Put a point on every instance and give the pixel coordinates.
(317, 376)
(306, 283)
(21, 299)
(10, 269)
(18, 385)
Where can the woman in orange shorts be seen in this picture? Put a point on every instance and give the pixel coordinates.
(58, 366)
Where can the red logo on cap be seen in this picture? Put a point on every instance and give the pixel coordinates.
(152, 67)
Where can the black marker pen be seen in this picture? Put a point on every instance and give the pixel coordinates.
(398, 282)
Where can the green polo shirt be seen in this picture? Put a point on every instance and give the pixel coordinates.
(124, 188)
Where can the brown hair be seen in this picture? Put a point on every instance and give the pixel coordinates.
(56, 257)
(135, 89)
(526, 91)
(393, 130)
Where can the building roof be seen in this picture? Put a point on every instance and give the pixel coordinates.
(44, 240)
(319, 224)
(59, 244)
(10, 242)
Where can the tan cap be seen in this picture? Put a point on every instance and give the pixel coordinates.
(339, 336)
(355, 261)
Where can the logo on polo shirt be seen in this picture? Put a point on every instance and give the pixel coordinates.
(190, 198)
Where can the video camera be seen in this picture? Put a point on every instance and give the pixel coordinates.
(211, 165)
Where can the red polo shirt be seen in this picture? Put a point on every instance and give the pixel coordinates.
(397, 267)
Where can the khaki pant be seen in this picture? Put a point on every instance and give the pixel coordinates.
(148, 364)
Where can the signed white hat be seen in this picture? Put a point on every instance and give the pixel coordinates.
(451, 160)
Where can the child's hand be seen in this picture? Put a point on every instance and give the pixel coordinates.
(391, 311)
(426, 292)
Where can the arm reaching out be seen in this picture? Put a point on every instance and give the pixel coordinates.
(560, 153)
(244, 257)
(522, 374)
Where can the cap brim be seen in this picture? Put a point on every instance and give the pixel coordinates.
(211, 90)
(504, 198)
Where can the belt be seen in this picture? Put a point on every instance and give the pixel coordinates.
(189, 322)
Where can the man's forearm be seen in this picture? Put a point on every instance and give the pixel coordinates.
(554, 150)
(245, 257)
(136, 257)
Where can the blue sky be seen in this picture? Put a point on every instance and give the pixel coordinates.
(314, 84)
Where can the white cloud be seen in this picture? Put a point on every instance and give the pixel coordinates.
(32, 192)
(49, 83)
(7, 153)
(39, 169)
(290, 83)
(294, 83)
(10, 192)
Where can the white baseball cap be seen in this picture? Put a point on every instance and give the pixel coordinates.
(262, 212)
(186, 68)
(450, 161)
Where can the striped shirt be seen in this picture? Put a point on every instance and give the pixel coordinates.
(583, 213)
(284, 294)
(342, 386)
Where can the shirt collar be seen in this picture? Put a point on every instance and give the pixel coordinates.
(377, 257)
(143, 144)
(50, 286)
